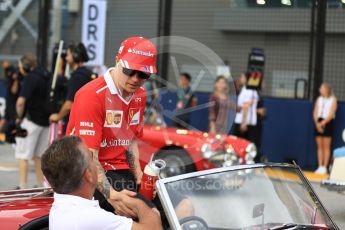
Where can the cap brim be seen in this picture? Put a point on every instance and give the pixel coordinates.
(139, 67)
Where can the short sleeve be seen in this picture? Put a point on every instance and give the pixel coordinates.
(73, 86)
(140, 132)
(87, 118)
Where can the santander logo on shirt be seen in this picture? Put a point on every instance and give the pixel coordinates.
(115, 142)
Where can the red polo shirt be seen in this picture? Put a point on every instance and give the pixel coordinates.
(105, 121)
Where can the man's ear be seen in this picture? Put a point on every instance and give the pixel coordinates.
(88, 175)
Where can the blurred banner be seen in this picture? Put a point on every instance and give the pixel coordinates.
(93, 30)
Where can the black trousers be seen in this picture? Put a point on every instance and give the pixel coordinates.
(119, 180)
(250, 134)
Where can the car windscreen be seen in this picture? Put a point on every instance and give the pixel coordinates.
(264, 196)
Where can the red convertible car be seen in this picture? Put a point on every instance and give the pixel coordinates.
(266, 196)
(183, 150)
(190, 150)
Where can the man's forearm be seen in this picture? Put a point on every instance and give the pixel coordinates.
(65, 109)
(20, 107)
(135, 153)
(136, 157)
(20, 111)
(103, 184)
(14, 87)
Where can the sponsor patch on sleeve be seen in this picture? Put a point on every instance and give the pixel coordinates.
(134, 116)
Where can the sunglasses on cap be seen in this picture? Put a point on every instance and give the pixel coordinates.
(132, 72)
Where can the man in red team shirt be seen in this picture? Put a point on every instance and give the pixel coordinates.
(108, 115)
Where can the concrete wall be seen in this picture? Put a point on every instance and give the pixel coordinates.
(282, 33)
(124, 19)
(274, 20)
(229, 32)
(24, 41)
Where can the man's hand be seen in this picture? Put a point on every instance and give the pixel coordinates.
(65, 109)
(148, 217)
(54, 117)
(120, 201)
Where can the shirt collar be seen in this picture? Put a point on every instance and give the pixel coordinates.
(65, 198)
(110, 82)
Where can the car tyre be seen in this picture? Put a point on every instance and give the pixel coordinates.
(177, 162)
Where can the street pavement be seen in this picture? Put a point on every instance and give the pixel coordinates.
(9, 174)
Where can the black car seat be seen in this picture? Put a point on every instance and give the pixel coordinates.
(40, 223)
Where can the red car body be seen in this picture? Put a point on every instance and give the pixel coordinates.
(17, 209)
(158, 142)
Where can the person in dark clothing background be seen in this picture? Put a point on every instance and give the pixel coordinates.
(185, 100)
(13, 81)
(76, 57)
(32, 117)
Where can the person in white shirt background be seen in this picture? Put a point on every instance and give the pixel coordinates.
(324, 114)
(69, 168)
(246, 116)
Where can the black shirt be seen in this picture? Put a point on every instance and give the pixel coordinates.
(34, 90)
(79, 77)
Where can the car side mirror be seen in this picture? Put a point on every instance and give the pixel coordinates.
(258, 210)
